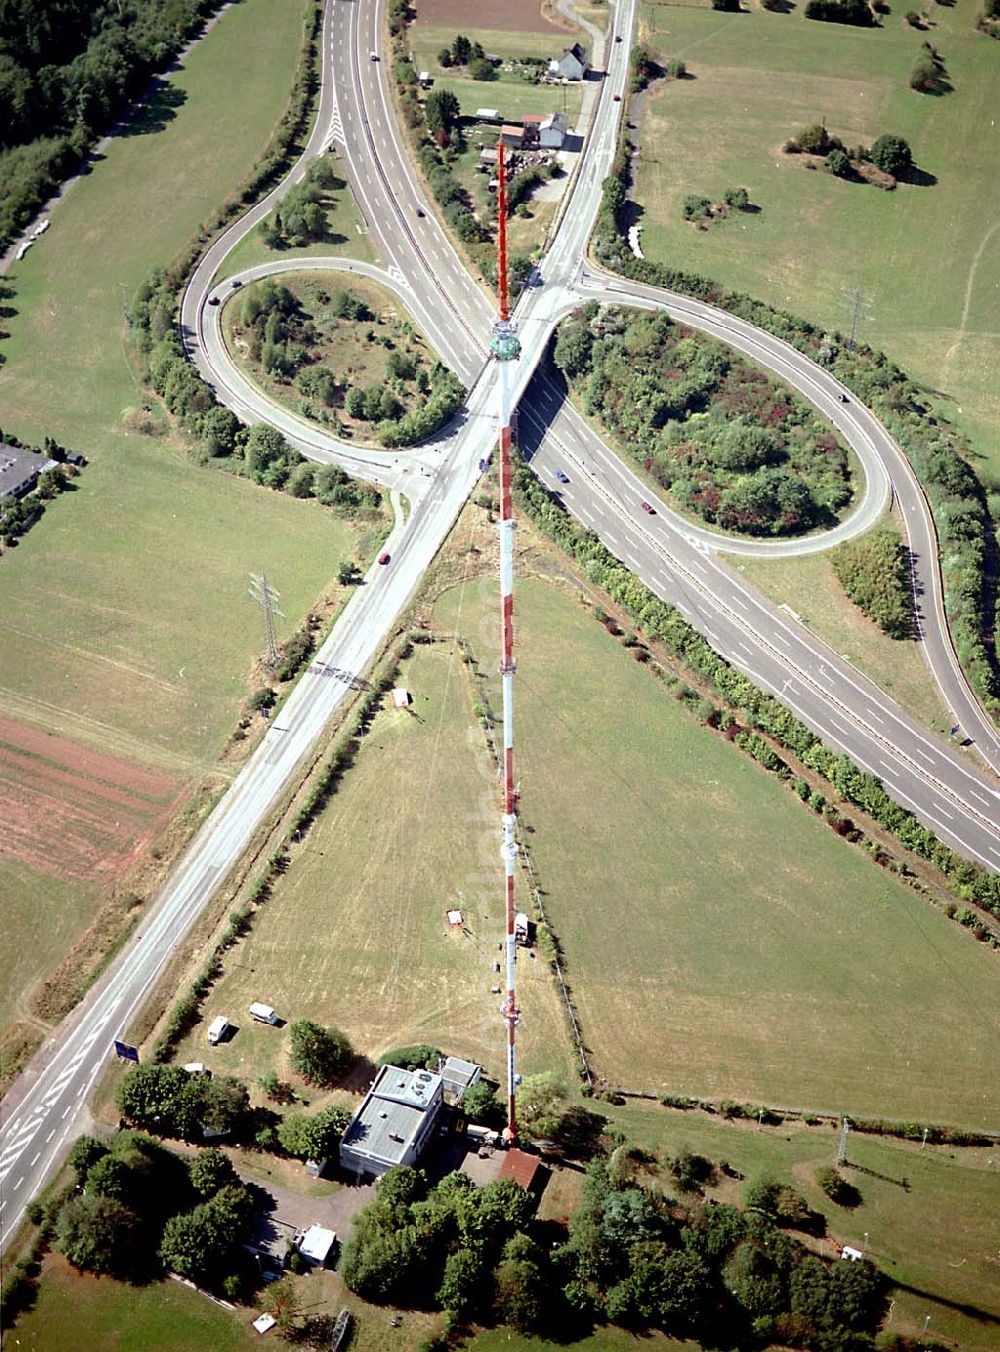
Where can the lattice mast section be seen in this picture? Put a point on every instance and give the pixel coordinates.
(505, 347)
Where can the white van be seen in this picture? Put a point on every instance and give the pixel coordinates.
(262, 1013)
(217, 1030)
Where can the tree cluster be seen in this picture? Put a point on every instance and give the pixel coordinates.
(173, 1102)
(139, 1209)
(300, 216)
(875, 573)
(313, 1137)
(929, 74)
(729, 443)
(630, 1256)
(283, 337)
(461, 52)
(439, 1247)
(856, 12)
(66, 71)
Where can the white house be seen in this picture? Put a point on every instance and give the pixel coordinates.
(552, 131)
(572, 65)
(394, 1122)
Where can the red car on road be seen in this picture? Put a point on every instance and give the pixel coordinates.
(648, 507)
(384, 558)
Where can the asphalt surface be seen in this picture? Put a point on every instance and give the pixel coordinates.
(45, 1108)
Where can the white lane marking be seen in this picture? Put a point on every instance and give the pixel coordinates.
(944, 811)
(66, 1111)
(979, 797)
(35, 1160)
(50, 1135)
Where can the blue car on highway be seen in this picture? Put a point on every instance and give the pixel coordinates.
(562, 476)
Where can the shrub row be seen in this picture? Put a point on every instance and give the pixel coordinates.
(935, 450)
(875, 573)
(662, 622)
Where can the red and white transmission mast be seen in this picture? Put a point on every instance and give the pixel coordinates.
(505, 347)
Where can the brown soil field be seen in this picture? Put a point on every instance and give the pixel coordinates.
(74, 812)
(523, 16)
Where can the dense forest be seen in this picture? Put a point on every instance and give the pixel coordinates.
(730, 445)
(67, 70)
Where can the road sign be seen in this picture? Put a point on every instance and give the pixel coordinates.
(126, 1053)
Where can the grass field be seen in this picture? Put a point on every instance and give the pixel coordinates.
(355, 933)
(512, 96)
(96, 1314)
(28, 896)
(810, 586)
(111, 606)
(931, 1214)
(700, 961)
(928, 257)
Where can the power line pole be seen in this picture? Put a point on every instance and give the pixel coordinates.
(268, 599)
(859, 305)
(842, 1151)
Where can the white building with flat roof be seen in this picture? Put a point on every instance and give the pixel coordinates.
(394, 1122)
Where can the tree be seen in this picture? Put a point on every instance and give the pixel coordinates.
(160, 1099)
(444, 58)
(461, 49)
(541, 1103)
(464, 1280)
(521, 1288)
(814, 139)
(695, 208)
(223, 1102)
(315, 1137)
(479, 1103)
(99, 1234)
(109, 1177)
(211, 1170)
(441, 111)
(86, 1151)
(838, 164)
(318, 1054)
(892, 155)
(196, 1243)
(481, 69)
(738, 198)
(283, 1302)
(300, 484)
(346, 574)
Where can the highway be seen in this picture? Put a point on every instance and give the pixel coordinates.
(46, 1108)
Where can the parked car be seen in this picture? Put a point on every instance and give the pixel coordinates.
(648, 507)
(562, 476)
(217, 1030)
(384, 557)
